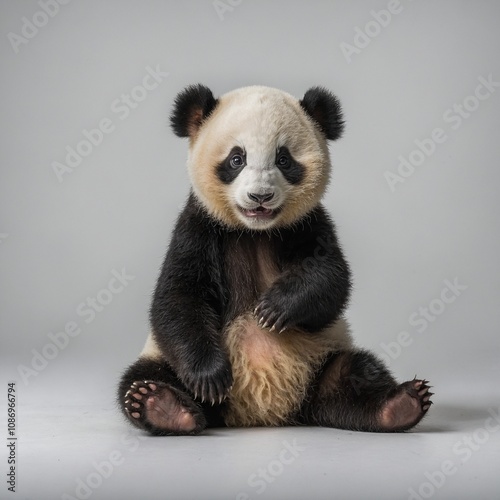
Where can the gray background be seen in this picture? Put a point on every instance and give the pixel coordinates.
(60, 241)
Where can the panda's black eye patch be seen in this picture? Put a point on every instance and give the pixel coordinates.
(292, 171)
(232, 165)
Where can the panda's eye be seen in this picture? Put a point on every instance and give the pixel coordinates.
(283, 161)
(237, 161)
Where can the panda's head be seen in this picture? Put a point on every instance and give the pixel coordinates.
(258, 157)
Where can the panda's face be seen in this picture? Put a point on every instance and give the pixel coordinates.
(258, 160)
(255, 189)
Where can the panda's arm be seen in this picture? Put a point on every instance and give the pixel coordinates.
(314, 287)
(185, 313)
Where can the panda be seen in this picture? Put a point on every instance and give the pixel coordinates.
(247, 325)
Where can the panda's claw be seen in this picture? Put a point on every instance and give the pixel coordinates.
(211, 380)
(165, 410)
(271, 316)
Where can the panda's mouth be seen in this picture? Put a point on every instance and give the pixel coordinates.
(259, 212)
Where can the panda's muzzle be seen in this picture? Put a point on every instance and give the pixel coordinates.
(261, 198)
(260, 211)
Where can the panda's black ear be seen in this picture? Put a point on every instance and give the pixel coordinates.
(324, 108)
(191, 107)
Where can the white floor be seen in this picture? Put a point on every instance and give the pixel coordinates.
(68, 452)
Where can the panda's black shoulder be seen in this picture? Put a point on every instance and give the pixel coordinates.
(316, 221)
(195, 220)
(314, 230)
(195, 233)
(319, 218)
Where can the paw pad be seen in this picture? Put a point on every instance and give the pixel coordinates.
(161, 409)
(136, 396)
(404, 409)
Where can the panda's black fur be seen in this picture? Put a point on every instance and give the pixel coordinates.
(325, 109)
(192, 106)
(212, 277)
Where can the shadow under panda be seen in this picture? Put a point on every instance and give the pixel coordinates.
(247, 326)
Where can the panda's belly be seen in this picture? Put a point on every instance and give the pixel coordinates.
(272, 371)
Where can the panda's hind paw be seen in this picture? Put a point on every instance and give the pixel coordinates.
(161, 409)
(406, 407)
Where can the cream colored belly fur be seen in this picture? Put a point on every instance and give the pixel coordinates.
(272, 371)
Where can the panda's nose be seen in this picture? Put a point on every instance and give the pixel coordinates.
(261, 198)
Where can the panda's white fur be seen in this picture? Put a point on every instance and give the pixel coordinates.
(271, 371)
(259, 119)
(223, 289)
(151, 350)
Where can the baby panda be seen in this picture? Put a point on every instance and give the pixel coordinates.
(247, 324)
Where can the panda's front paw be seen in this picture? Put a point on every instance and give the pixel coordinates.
(210, 380)
(272, 317)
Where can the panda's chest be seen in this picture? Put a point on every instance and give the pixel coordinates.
(251, 266)
(269, 374)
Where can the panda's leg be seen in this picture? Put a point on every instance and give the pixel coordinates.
(153, 399)
(354, 390)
